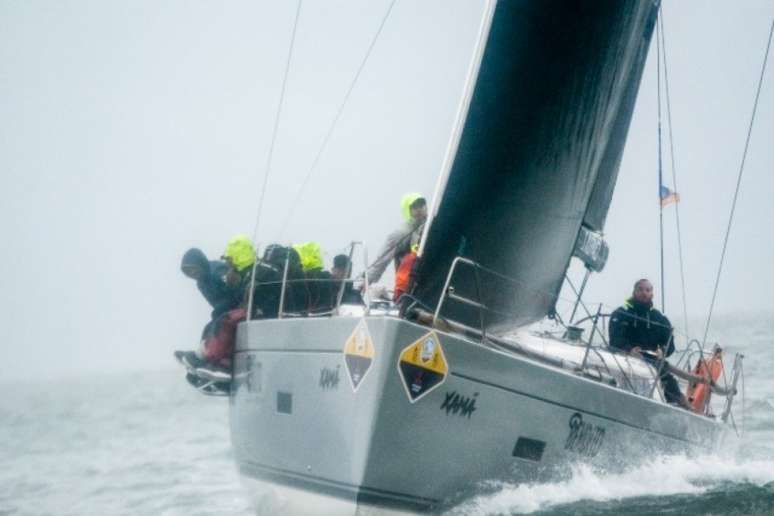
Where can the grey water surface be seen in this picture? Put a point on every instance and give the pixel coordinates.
(143, 443)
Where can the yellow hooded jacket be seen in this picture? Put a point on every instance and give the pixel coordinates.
(241, 252)
(405, 204)
(310, 254)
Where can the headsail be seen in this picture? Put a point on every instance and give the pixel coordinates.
(538, 153)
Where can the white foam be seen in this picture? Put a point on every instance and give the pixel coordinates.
(667, 475)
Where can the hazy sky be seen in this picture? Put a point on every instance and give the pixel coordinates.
(130, 131)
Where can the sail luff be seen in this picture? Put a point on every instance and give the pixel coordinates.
(459, 119)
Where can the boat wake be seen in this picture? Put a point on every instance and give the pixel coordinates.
(668, 481)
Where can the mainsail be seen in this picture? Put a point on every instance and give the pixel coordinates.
(604, 184)
(537, 155)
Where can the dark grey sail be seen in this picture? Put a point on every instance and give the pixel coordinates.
(590, 246)
(538, 154)
(601, 195)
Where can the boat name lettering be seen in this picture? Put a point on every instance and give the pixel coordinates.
(455, 403)
(329, 378)
(584, 438)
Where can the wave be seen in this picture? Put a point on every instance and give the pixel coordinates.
(659, 477)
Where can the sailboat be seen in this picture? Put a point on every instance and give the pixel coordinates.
(406, 408)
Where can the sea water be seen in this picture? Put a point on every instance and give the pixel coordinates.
(141, 444)
(147, 444)
(738, 480)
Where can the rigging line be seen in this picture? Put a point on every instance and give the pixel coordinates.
(583, 305)
(660, 168)
(674, 174)
(276, 120)
(271, 155)
(336, 118)
(738, 183)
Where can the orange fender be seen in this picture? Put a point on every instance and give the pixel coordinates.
(699, 393)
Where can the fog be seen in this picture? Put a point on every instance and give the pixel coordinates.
(131, 131)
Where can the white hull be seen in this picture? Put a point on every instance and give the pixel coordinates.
(312, 443)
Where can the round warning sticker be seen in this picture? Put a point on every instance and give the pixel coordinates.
(422, 366)
(358, 354)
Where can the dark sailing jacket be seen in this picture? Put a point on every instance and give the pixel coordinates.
(220, 296)
(319, 283)
(638, 324)
(267, 291)
(296, 294)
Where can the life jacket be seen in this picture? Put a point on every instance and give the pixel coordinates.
(699, 393)
(403, 275)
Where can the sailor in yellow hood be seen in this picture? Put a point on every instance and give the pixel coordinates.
(406, 203)
(240, 254)
(413, 208)
(318, 281)
(310, 254)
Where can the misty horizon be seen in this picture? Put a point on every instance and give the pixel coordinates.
(131, 132)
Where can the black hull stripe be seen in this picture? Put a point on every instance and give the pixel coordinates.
(564, 405)
(341, 490)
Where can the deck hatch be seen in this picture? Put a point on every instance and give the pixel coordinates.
(530, 449)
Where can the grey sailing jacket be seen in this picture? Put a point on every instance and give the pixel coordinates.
(397, 245)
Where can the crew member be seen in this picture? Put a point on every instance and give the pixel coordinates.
(240, 257)
(297, 296)
(640, 329)
(400, 242)
(219, 334)
(340, 272)
(318, 281)
(210, 280)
